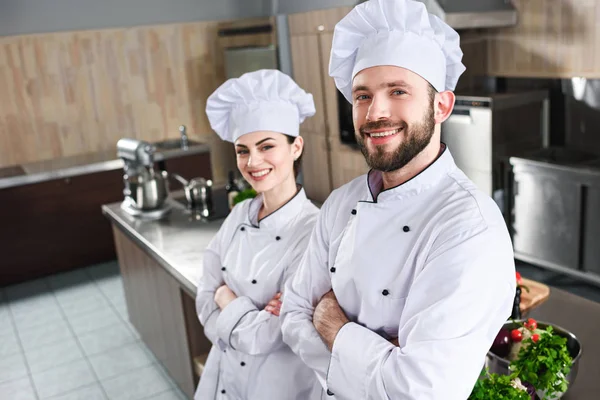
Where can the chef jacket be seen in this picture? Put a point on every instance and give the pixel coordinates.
(429, 262)
(248, 359)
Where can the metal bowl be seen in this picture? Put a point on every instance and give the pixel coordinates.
(147, 193)
(500, 365)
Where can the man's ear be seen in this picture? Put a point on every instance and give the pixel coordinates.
(443, 105)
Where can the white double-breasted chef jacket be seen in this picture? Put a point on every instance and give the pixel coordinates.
(429, 262)
(248, 360)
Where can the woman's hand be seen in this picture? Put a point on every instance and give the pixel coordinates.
(224, 296)
(274, 305)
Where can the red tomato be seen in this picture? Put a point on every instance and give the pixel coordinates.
(531, 324)
(516, 335)
(535, 337)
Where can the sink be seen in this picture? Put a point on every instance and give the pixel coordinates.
(173, 144)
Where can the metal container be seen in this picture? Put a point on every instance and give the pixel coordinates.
(146, 192)
(198, 193)
(500, 365)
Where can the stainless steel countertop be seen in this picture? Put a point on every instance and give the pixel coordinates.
(83, 164)
(177, 241)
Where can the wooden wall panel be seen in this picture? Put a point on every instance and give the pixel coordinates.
(309, 22)
(553, 39)
(77, 92)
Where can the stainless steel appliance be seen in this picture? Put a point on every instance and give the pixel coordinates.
(556, 221)
(198, 193)
(146, 189)
(485, 129)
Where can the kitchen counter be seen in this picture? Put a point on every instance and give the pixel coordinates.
(177, 241)
(83, 164)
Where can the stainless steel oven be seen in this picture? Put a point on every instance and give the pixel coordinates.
(484, 130)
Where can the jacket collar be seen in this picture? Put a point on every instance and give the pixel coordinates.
(280, 217)
(424, 180)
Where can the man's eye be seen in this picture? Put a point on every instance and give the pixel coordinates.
(398, 92)
(362, 97)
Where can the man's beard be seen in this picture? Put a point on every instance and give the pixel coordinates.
(415, 141)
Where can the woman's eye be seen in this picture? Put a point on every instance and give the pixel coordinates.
(242, 152)
(268, 147)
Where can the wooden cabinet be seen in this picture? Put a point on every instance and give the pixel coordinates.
(328, 164)
(306, 64)
(551, 39)
(316, 168)
(316, 21)
(162, 312)
(57, 225)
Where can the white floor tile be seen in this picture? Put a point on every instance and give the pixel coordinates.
(137, 384)
(44, 335)
(93, 392)
(120, 360)
(94, 320)
(6, 324)
(170, 395)
(45, 314)
(105, 339)
(63, 379)
(57, 354)
(18, 389)
(9, 344)
(88, 304)
(12, 367)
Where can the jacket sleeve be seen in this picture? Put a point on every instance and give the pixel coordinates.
(211, 279)
(454, 310)
(253, 331)
(301, 295)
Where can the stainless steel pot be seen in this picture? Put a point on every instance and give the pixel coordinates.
(148, 191)
(500, 365)
(198, 193)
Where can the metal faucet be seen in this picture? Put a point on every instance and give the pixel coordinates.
(184, 137)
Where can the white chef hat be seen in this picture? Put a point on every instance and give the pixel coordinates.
(263, 100)
(395, 32)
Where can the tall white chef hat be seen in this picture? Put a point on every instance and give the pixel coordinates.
(395, 32)
(263, 100)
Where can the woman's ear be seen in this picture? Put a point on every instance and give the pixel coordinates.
(297, 147)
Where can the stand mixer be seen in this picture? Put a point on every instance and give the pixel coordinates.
(145, 188)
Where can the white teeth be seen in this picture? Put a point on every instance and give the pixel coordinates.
(384, 134)
(260, 173)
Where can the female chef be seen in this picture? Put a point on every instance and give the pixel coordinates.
(259, 245)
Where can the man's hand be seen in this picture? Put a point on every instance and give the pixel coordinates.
(329, 318)
(224, 296)
(274, 305)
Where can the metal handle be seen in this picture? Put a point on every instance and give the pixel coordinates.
(180, 179)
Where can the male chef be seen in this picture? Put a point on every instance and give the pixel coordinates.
(409, 274)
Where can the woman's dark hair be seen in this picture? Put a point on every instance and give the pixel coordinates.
(298, 162)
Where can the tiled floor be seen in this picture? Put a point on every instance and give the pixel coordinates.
(67, 337)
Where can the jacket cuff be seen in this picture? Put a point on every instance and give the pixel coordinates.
(231, 315)
(352, 361)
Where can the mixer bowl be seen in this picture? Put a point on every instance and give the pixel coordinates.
(148, 193)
